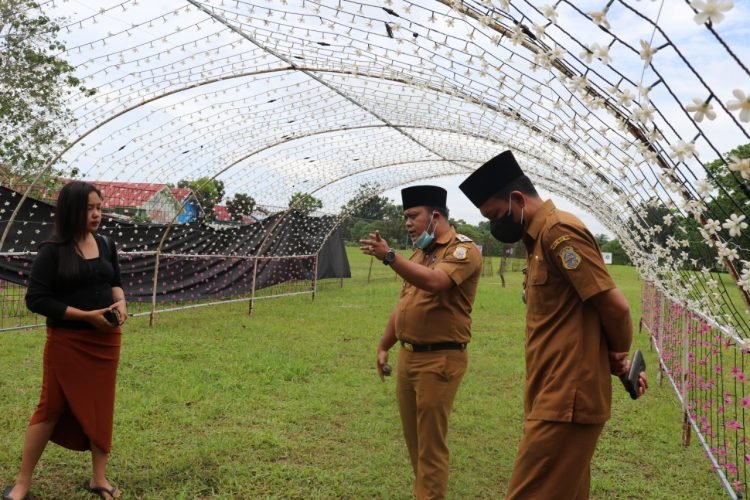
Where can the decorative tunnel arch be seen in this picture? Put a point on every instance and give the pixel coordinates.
(598, 96)
(627, 108)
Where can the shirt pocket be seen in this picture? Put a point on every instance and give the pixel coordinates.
(539, 294)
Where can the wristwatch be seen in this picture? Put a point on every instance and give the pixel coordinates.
(390, 256)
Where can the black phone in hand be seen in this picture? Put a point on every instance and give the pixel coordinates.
(637, 365)
(113, 316)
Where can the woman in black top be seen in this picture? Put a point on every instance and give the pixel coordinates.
(75, 283)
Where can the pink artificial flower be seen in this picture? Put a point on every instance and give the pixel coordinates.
(733, 424)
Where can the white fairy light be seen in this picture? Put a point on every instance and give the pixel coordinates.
(735, 224)
(701, 108)
(710, 10)
(742, 103)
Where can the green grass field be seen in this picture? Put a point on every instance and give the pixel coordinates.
(213, 403)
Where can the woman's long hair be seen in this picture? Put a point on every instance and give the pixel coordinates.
(71, 218)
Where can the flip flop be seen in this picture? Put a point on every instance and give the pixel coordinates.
(100, 490)
(7, 490)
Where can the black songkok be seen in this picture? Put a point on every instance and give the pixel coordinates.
(490, 178)
(431, 196)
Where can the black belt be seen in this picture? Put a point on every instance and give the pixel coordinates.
(440, 346)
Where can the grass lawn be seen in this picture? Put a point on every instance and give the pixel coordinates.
(213, 403)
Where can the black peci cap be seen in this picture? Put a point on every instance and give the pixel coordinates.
(431, 196)
(491, 177)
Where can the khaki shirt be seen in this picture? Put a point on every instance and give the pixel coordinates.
(426, 318)
(567, 361)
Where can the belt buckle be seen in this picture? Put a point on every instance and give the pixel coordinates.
(408, 347)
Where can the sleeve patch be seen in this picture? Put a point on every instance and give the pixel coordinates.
(460, 252)
(558, 241)
(570, 259)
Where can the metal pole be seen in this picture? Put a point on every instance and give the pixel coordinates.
(153, 290)
(252, 290)
(659, 328)
(687, 323)
(315, 277)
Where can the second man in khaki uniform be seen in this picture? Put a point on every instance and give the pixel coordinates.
(432, 323)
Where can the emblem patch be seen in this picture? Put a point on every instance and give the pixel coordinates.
(570, 259)
(463, 237)
(460, 253)
(558, 241)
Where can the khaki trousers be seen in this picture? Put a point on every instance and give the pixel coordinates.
(426, 386)
(554, 461)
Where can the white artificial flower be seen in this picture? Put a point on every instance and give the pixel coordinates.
(587, 55)
(600, 18)
(745, 271)
(703, 187)
(647, 52)
(682, 149)
(625, 98)
(742, 103)
(644, 114)
(735, 224)
(712, 226)
(740, 165)
(538, 30)
(731, 254)
(550, 13)
(601, 53)
(710, 10)
(701, 108)
(667, 219)
(557, 53)
(579, 82)
(517, 36)
(543, 59)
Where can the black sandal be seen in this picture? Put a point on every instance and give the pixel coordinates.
(101, 490)
(7, 490)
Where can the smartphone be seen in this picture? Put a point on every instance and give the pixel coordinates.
(113, 316)
(637, 365)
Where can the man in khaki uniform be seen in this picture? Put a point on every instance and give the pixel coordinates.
(433, 324)
(578, 331)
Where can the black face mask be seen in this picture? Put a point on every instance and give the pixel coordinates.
(505, 229)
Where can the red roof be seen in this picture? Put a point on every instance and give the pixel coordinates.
(181, 193)
(221, 213)
(127, 194)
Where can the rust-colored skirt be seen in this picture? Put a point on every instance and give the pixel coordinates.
(78, 387)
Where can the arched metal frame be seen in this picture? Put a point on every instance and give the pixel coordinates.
(576, 85)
